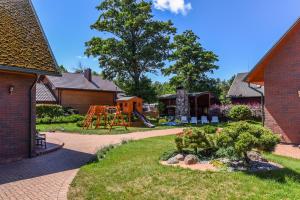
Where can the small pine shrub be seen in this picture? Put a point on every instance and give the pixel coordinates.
(162, 121)
(240, 113)
(209, 129)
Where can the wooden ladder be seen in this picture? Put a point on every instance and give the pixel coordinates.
(89, 117)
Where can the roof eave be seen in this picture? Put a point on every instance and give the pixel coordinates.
(28, 71)
(259, 64)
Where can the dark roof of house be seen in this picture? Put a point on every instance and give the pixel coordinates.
(24, 46)
(43, 94)
(173, 96)
(79, 82)
(239, 88)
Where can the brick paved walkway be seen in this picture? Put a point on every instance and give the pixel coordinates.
(49, 176)
(288, 150)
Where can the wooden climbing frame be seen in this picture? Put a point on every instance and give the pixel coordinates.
(101, 113)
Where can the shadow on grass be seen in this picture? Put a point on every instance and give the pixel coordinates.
(279, 175)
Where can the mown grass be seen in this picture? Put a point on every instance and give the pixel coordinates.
(73, 128)
(132, 171)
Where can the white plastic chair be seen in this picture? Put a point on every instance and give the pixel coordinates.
(215, 119)
(194, 120)
(184, 120)
(204, 120)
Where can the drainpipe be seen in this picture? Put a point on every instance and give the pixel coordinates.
(30, 115)
(262, 103)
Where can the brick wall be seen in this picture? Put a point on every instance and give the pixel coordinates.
(246, 100)
(14, 116)
(282, 83)
(82, 100)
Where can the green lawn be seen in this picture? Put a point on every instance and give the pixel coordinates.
(132, 172)
(73, 128)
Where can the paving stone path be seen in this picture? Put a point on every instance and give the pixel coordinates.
(49, 176)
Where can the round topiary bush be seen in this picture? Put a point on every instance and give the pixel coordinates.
(240, 113)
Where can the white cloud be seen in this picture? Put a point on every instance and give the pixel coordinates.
(175, 6)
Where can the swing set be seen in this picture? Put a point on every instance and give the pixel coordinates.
(103, 116)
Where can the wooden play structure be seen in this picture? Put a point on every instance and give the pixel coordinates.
(133, 106)
(102, 113)
(129, 106)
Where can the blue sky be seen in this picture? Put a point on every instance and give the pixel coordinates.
(239, 32)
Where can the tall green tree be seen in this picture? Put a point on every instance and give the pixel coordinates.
(164, 88)
(191, 61)
(62, 69)
(147, 89)
(137, 44)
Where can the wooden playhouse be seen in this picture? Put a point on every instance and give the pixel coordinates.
(130, 104)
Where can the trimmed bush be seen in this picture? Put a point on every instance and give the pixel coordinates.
(60, 119)
(162, 121)
(48, 110)
(240, 113)
(80, 123)
(241, 137)
(233, 142)
(196, 139)
(209, 129)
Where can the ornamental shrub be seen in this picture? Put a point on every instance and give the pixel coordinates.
(242, 137)
(162, 121)
(196, 139)
(48, 110)
(209, 129)
(60, 119)
(240, 112)
(232, 142)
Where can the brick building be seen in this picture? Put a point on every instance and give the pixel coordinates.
(279, 72)
(241, 93)
(77, 90)
(24, 55)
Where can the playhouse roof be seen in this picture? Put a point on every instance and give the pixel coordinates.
(127, 98)
(24, 47)
(256, 75)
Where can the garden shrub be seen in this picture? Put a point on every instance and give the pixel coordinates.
(243, 137)
(60, 119)
(232, 142)
(197, 140)
(80, 123)
(209, 129)
(48, 110)
(162, 121)
(240, 112)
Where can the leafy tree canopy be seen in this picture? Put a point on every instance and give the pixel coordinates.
(147, 90)
(137, 44)
(191, 63)
(62, 69)
(164, 88)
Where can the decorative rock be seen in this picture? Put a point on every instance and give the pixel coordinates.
(190, 159)
(179, 157)
(225, 160)
(255, 156)
(172, 161)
